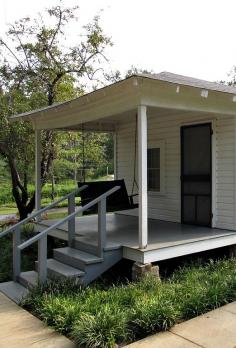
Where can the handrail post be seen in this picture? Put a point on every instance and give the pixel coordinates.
(71, 222)
(16, 253)
(42, 259)
(101, 226)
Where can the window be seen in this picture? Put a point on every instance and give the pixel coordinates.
(154, 169)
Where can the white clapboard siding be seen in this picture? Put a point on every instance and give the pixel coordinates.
(167, 205)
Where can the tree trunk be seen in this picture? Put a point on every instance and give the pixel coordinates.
(19, 191)
(24, 203)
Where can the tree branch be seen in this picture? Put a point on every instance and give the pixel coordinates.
(57, 29)
(12, 53)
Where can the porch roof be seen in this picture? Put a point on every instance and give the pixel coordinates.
(103, 108)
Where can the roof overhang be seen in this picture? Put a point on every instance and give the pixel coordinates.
(97, 110)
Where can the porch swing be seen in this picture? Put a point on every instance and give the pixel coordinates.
(119, 200)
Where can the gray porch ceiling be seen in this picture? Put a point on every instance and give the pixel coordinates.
(110, 123)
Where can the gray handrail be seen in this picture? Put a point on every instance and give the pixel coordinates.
(68, 218)
(39, 212)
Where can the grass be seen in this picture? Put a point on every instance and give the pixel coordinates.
(5, 210)
(56, 214)
(61, 189)
(99, 316)
(8, 206)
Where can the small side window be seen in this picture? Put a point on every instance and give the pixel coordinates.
(154, 169)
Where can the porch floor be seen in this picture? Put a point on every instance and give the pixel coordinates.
(122, 230)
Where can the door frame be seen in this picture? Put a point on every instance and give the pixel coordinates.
(212, 122)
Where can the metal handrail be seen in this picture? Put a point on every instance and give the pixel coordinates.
(68, 218)
(39, 212)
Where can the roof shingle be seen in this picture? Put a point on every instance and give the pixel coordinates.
(190, 81)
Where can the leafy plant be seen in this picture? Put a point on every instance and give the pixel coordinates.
(99, 316)
(102, 329)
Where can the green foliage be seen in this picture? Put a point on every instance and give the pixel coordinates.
(4, 172)
(28, 229)
(156, 312)
(208, 287)
(61, 189)
(102, 329)
(83, 151)
(37, 69)
(29, 255)
(102, 317)
(28, 258)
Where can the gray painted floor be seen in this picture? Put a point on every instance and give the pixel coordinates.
(122, 230)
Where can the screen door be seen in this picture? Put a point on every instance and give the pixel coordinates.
(196, 174)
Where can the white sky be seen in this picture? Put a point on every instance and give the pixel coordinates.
(189, 37)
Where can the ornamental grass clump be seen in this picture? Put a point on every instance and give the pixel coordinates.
(102, 329)
(119, 314)
(204, 288)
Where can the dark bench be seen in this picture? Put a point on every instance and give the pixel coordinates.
(119, 200)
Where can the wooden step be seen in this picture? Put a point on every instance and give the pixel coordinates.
(75, 258)
(58, 269)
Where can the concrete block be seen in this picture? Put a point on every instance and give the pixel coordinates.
(163, 340)
(215, 329)
(139, 270)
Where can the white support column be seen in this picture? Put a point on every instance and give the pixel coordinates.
(37, 169)
(142, 175)
(115, 154)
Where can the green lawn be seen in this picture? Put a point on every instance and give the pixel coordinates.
(57, 215)
(7, 204)
(99, 316)
(7, 210)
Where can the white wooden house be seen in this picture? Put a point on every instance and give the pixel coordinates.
(176, 136)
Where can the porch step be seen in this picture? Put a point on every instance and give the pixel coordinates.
(57, 269)
(15, 291)
(75, 258)
(86, 247)
(28, 279)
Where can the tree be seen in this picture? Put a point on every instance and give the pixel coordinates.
(83, 154)
(38, 69)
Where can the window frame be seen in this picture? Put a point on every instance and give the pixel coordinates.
(158, 145)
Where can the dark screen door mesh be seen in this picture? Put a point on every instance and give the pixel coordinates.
(196, 174)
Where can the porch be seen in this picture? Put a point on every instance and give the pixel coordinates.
(147, 116)
(165, 239)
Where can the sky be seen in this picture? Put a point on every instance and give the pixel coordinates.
(189, 37)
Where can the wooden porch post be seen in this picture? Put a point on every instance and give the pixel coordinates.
(37, 169)
(115, 154)
(142, 175)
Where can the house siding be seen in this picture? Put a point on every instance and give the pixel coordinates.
(166, 128)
